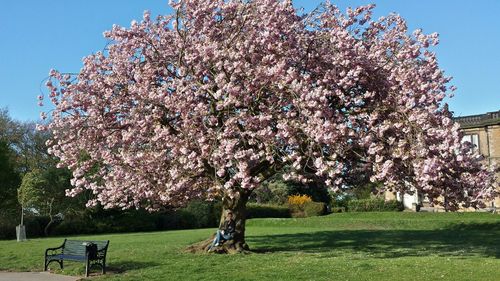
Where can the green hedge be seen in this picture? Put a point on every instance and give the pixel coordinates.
(107, 221)
(374, 205)
(267, 211)
(34, 226)
(201, 214)
(7, 227)
(197, 214)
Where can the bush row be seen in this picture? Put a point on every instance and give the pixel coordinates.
(374, 205)
(34, 226)
(197, 214)
(255, 210)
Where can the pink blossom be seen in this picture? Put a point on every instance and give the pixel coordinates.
(201, 109)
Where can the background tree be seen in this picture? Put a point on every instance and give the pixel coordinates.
(23, 155)
(9, 171)
(30, 192)
(9, 128)
(53, 202)
(9, 180)
(213, 100)
(43, 193)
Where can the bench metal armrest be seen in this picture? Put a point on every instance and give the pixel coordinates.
(55, 250)
(101, 254)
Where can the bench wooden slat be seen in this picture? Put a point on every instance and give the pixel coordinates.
(69, 257)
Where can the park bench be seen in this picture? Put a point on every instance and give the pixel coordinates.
(90, 252)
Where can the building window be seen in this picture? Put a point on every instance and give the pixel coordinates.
(474, 139)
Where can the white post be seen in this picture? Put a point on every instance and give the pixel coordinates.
(21, 233)
(21, 229)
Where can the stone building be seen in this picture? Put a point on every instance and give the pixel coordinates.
(483, 131)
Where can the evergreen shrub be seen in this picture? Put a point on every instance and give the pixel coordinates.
(312, 209)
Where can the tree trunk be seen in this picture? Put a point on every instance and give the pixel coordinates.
(446, 208)
(237, 205)
(46, 230)
(47, 227)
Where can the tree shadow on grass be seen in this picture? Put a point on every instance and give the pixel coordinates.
(123, 266)
(476, 239)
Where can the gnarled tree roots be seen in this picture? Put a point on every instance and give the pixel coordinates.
(227, 247)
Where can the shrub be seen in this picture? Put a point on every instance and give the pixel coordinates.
(374, 205)
(298, 199)
(115, 221)
(338, 210)
(267, 211)
(77, 225)
(394, 205)
(168, 220)
(197, 214)
(296, 205)
(187, 219)
(7, 227)
(312, 209)
(200, 213)
(127, 221)
(317, 193)
(217, 212)
(275, 191)
(35, 225)
(97, 220)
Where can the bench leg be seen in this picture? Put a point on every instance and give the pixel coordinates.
(45, 264)
(104, 266)
(87, 267)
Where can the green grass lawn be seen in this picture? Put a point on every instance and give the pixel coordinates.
(349, 246)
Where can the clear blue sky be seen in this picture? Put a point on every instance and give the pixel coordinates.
(37, 35)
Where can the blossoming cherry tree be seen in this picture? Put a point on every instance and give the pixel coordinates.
(213, 100)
